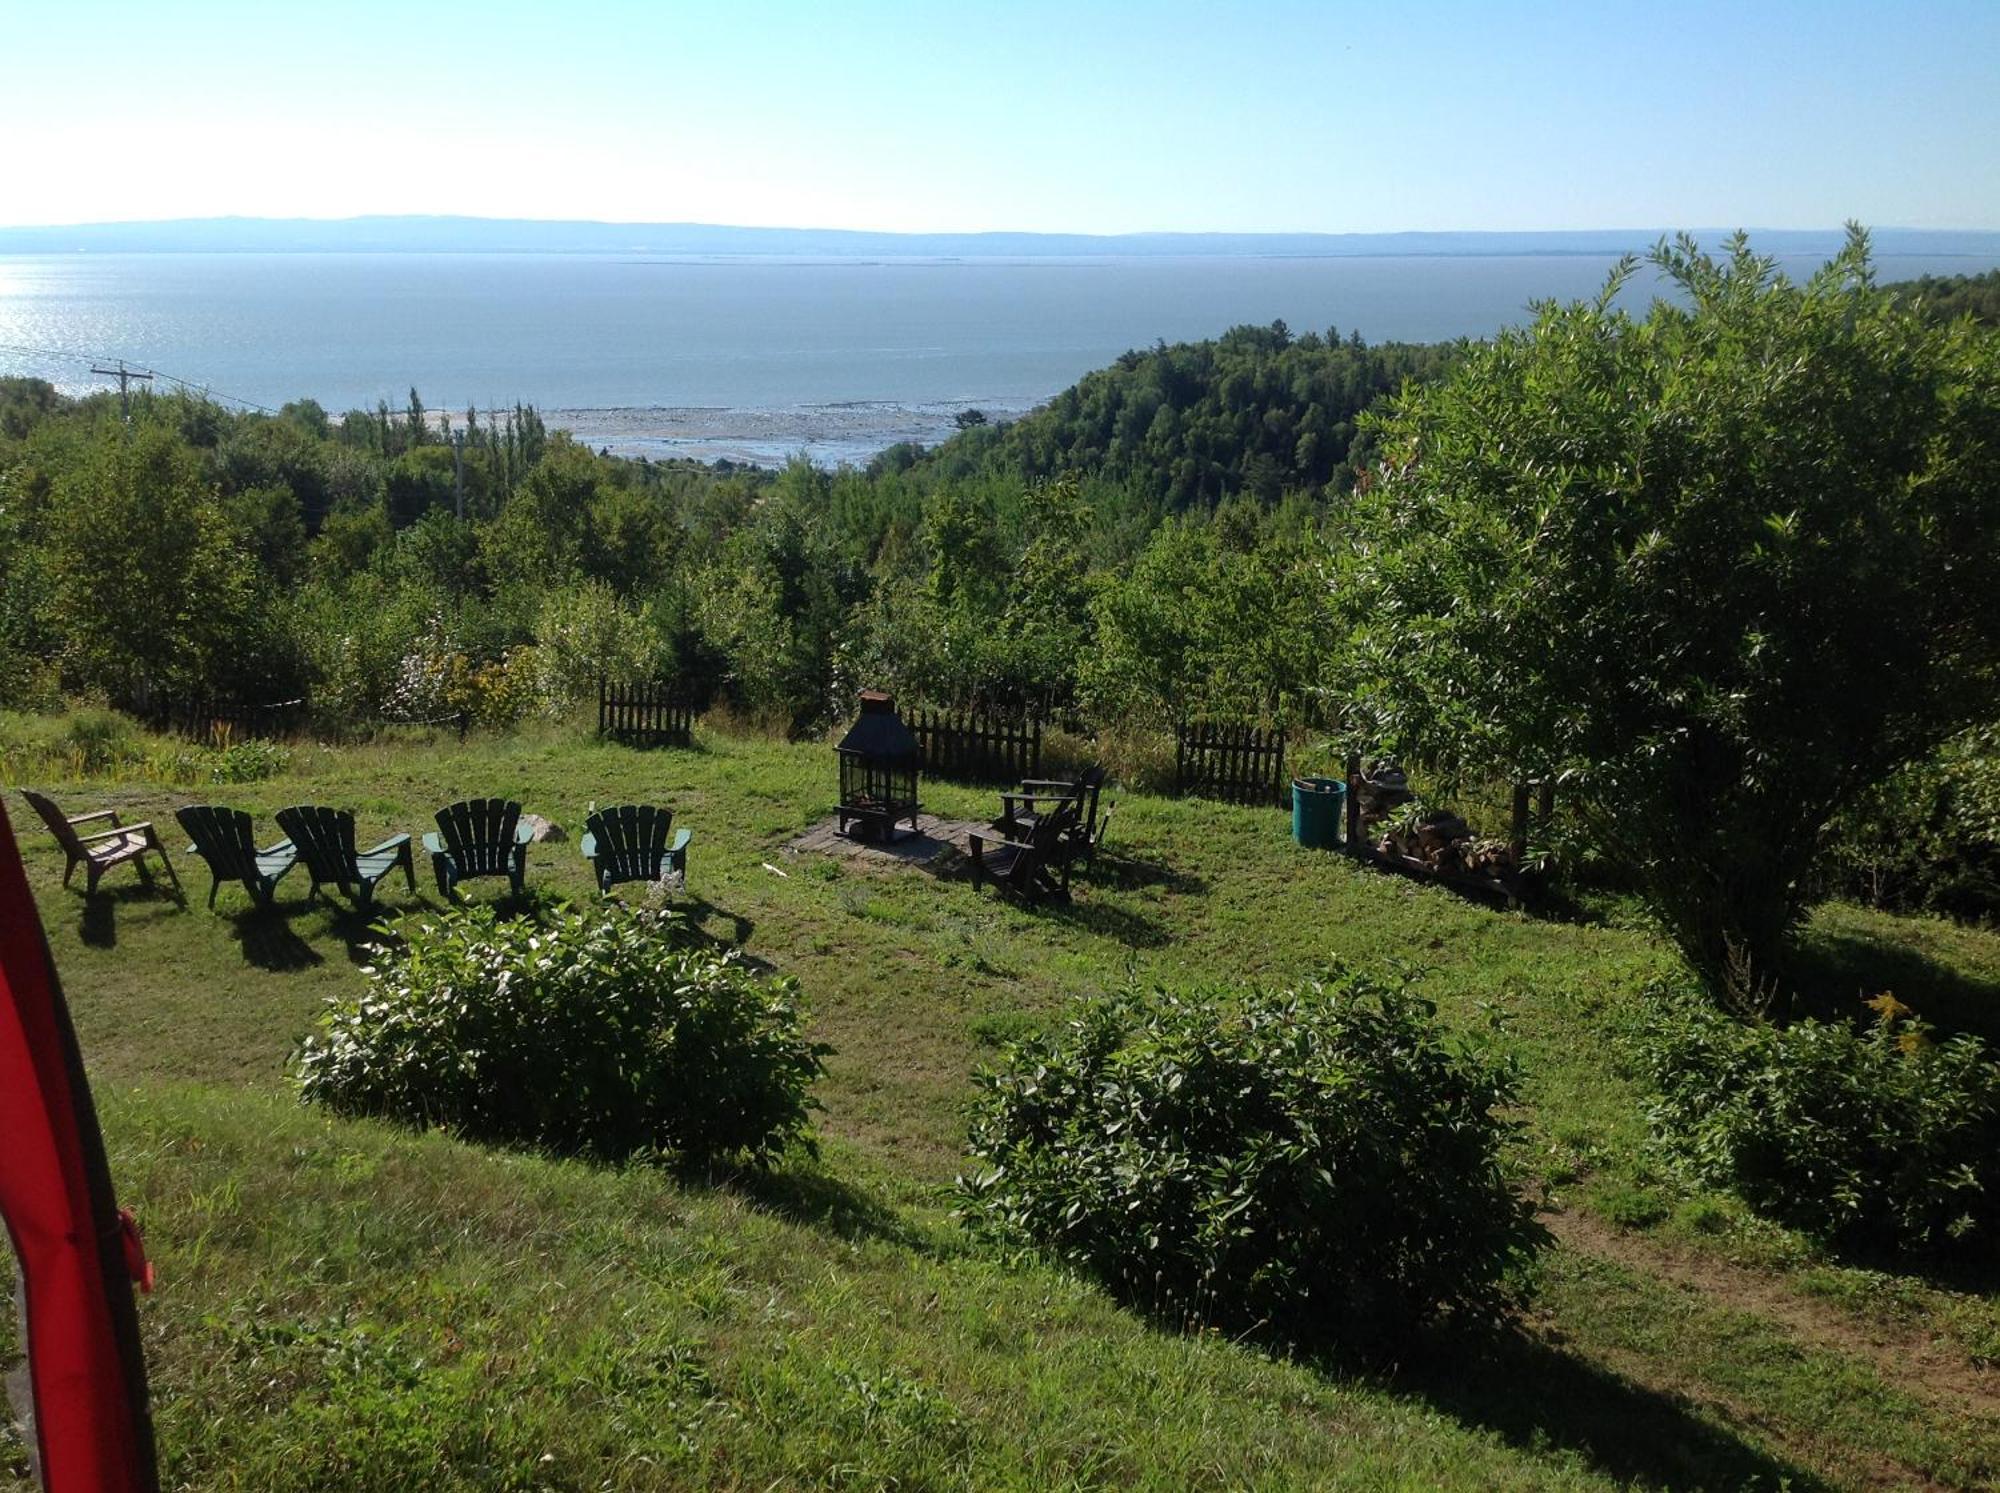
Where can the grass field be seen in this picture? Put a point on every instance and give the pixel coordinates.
(347, 1305)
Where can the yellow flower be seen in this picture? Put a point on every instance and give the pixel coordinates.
(1888, 1007)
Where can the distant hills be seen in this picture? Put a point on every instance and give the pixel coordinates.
(402, 235)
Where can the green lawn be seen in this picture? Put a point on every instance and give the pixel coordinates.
(344, 1304)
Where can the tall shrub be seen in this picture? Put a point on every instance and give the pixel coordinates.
(1719, 568)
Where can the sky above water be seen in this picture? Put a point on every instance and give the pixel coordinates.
(1074, 116)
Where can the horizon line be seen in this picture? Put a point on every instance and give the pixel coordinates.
(687, 223)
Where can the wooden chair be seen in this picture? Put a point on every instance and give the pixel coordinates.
(629, 843)
(100, 850)
(325, 841)
(1032, 867)
(224, 838)
(479, 837)
(1020, 812)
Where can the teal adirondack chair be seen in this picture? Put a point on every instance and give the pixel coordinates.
(629, 843)
(325, 841)
(480, 837)
(225, 839)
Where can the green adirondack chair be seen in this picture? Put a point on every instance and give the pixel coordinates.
(225, 839)
(325, 841)
(629, 843)
(480, 837)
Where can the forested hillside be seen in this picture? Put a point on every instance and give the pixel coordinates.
(1255, 411)
(1948, 296)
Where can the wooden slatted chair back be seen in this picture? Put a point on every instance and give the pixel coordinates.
(1051, 827)
(479, 833)
(324, 839)
(1089, 785)
(58, 823)
(225, 838)
(631, 841)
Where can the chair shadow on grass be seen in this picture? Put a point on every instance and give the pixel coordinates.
(97, 918)
(702, 915)
(270, 942)
(1539, 1396)
(1133, 929)
(1108, 920)
(1129, 873)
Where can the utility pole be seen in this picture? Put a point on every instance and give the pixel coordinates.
(458, 469)
(124, 376)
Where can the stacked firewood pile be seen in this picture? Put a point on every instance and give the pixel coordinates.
(1398, 826)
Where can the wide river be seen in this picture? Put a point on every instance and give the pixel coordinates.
(746, 357)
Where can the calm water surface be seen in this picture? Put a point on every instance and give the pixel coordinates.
(745, 357)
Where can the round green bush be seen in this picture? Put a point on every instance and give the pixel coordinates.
(602, 1033)
(1318, 1165)
(1884, 1138)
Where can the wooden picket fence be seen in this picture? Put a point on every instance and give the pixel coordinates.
(977, 747)
(1237, 763)
(647, 713)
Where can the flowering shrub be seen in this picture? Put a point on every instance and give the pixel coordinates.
(1883, 1137)
(603, 1033)
(431, 678)
(1321, 1163)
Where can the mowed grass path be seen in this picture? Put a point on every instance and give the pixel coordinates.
(349, 1305)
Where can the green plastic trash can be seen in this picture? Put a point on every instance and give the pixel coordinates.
(1318, 807)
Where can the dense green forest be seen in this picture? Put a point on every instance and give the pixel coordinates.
(384, 571)
(1948, 296)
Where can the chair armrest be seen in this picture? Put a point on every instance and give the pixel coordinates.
(112, 834)
(278, 849)
(392, 843)
(587, 843)
(111, 814)
(977, 838)
(434, 843)
(524, 834)
(680, 842)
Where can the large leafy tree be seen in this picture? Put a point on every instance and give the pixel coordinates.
(151, 586)
(1718, 568)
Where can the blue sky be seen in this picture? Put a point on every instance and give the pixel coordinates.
(1078, 116)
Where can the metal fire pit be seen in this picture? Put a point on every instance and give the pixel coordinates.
(878, 771)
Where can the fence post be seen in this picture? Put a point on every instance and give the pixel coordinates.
(1517, 841)
(601, 703)
(1354, 801)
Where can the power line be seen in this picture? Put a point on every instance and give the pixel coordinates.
(90, 358)
(206, 390)
(124, 376)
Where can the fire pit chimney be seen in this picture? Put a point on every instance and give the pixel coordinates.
(878, 771)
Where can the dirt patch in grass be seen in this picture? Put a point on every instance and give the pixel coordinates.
(1906, 1356)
